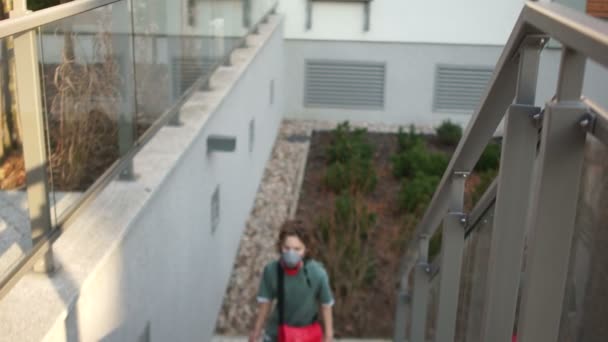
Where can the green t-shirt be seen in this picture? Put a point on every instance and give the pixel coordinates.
(301, 296)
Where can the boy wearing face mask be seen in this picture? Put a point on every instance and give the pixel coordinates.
(305, 287)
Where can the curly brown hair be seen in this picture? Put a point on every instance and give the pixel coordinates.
(296, 228)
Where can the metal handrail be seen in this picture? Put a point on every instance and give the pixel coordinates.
(581, 33)
(575, 30)
(49, 15)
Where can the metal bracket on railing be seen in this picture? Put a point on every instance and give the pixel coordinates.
(463, 218)
(461, 174)
(537, 117)
(533, 112)
(587, 121)
(532, 41)
(425, 266)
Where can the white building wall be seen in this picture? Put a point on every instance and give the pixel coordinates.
(142, 262)
(444, 22)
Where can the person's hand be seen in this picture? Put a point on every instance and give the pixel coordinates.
(328, 339)
(255, 336)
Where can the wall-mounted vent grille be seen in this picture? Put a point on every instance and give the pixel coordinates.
(460, 88)
(344, 84)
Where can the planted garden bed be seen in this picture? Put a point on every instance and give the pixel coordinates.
(363, 193)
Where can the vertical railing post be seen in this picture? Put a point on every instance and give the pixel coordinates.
(555, 198)
(123, 35)
(419, 308)
(452, 246)
(246, 13)
(403, 301)
(308, 14)
(31, 115)
(514, 183)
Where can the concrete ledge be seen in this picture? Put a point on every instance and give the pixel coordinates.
(42, 308)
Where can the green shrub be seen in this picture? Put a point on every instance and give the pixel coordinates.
(347, 144)
(344, 246)
(337, 177)
(363, 176)
(419, 161)
(416, 193)
(357, 175)
(490, 158)
(408, 140)
(449, 133)
(350, 161)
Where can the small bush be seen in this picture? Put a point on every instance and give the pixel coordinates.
(337, 177)
(416, 193)
(449, 133)
(363, 175)
(347, 144)
(490, 158)
(357, 175)
(346, 251)
(350, 161)
(419, 161)
(408, 140)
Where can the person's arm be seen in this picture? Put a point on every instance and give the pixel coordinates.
(263, 310)
(328, 321)
(327, 303)
(266, 294)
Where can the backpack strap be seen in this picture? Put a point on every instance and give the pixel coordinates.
(280, 293)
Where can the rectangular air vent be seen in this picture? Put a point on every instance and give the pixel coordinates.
(344, 84)
(459, 88)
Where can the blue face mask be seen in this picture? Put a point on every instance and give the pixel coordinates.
(291, 258)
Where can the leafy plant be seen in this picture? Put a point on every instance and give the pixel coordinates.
(449, 133)
(337, 177)
(346, 250)
(416, 193)
(348, 144)
(350, 157)
(408, 140)
(419, 161)
(490, 158)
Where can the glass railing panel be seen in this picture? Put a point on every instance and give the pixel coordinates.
(585, 306)
(89, 98)
(473, 278)
(157, 27)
